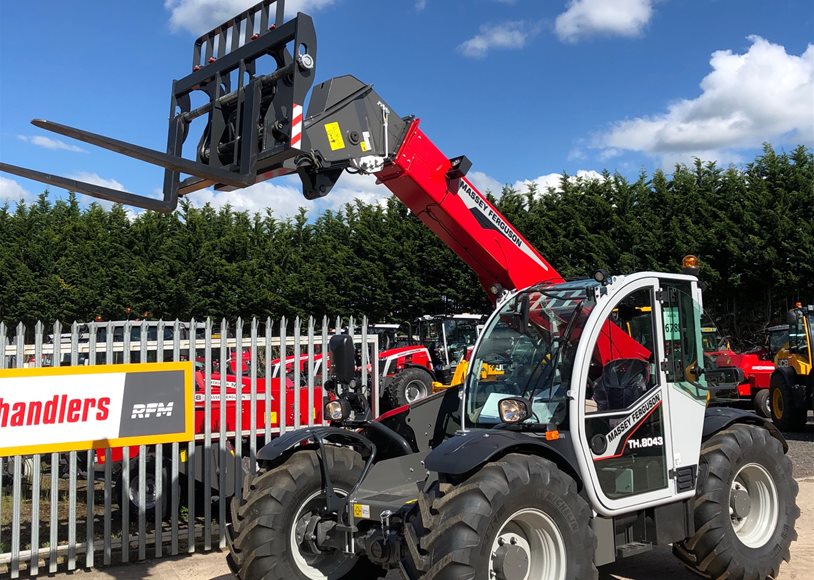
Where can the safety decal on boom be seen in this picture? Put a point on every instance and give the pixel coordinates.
(618, 438)
(490, 219)
(334, 133)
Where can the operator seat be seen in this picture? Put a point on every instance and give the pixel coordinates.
(621, 383)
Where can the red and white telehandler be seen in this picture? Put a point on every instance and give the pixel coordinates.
(592, 445)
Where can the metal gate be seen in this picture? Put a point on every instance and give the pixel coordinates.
(80, 509)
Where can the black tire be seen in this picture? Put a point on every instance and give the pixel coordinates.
(150, 490)
(785, 414)
(762, 403)
(461, 523)
(728, 546)
(408, 386)
(262, 520)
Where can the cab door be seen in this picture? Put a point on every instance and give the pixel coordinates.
(680, 304)
(640, 414)
(623, 417)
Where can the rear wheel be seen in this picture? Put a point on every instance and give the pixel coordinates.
(785, 414)
(763, 403)
(745, 507)
(270, 522)
(517, 518)
(407, 387)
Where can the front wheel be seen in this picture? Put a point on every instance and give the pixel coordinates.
(745, 506)
(520, 517)
(270, 523)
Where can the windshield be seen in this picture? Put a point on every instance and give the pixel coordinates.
(461, 333)
(533, 338)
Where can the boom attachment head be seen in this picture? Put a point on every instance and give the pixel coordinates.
(254, 112)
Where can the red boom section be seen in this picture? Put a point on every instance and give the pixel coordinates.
(475, 230)
(462, 217)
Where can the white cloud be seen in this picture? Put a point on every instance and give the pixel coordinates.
(282, 199)
(485, 182)
(554, 180)
(48, 143)
(200, 16)
(506, 35)
(284, 196)
(585, 18)
(11, 191)
(96, 179)
(420, 5)
(764, 94)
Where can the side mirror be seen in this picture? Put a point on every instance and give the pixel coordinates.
(343, 365)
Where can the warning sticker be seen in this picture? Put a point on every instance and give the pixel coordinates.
(334, 136)
(365, 141)
(361, 511)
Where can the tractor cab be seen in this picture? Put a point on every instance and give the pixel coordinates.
(800, 339)
(447, 337)
(777, 338)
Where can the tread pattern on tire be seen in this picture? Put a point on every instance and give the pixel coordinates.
(258, 516)
(392, 394)
(794, 418)
(453, 517)
(714, 549)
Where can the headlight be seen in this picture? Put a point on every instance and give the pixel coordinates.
(513, 410)
(337, 410)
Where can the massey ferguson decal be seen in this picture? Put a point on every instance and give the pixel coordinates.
(488, 218)
(76, 408)
(618, 440)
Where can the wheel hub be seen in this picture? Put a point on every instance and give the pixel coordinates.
(528, 546)
(754, 506)
(310, 540)
(415, 390)
(739, 502)
(511, 562)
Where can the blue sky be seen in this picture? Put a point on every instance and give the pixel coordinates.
(527, 89)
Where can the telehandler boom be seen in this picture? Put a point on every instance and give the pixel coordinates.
(592, 444)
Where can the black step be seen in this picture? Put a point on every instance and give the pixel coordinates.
(633, 549)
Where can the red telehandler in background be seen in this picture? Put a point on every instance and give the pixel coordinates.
(592, 445)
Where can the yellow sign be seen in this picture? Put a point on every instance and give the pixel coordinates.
(334, 136)
(361, 511)
(45, 410)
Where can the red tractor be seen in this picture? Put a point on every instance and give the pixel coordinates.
(431, 355)
(219, 407)
(737, 378)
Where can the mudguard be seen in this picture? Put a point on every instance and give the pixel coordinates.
(719, 418)
(469, 450)
(286, 442)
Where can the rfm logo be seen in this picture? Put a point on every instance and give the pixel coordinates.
(145, 411)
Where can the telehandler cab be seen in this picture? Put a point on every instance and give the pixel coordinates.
(592, 445)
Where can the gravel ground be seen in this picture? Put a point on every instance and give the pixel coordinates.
(801, 450)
